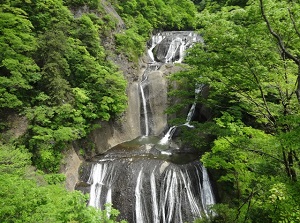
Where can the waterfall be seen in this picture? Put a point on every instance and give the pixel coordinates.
(156, 39)
(198, 89)
(207, 195)
(145, 110)
(168, 136)
(99, 188)
(146, 183)
(173, 48)
(168, 47)
(151, 189)
(138, 199)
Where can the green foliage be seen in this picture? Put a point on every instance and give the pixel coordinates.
(13, 160)
(87, 30)
(28, 196)
(224, 214)
(110, 215)
(171, 14)
(92, 4)
(131, 43)
(54, 70)
(50, 203)
(18, 70)
(251, 173)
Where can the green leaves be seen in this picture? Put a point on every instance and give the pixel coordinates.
(53, 68)
(29, 196)
(252, 97)
(18, 70)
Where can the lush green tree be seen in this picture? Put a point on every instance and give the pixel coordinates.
(54, 70)
(249, 60)
(29, 196)
(54, 65)
(18, 71)
(244, 69)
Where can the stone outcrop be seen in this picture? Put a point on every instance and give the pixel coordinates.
(125, 128)
(71, 163)
(158, 101)
(128, 126)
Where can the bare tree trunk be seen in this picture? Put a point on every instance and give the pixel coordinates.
(292, 171)
(298, 85)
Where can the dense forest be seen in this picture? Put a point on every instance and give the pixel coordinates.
(57, 79)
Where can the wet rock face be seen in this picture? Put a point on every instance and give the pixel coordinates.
(161, 50)
(169, 47)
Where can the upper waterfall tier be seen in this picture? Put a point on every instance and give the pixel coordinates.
(164, 47)
(169, 47)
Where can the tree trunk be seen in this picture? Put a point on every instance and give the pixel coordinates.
(292, 171)
(298, 85)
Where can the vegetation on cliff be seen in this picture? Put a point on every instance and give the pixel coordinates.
(54, 71)
(31, 196)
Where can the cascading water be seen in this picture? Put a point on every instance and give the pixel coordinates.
(151, 187)
(177, 43)
(147, 180)
(144, 102)
(168, 136)
(198, 89)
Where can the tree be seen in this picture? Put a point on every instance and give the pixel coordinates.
(17, 68)
(253, 95)
(286, 32)
(26, 196)
(240, 58)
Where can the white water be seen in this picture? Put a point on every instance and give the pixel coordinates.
(96, 188)
(181, 52)
(176, 48)
(154, 198)
(165, 140)
(154, 41)
(208, 198)
(138, 199)
(192, 109)
(151, 190)
(174, 45)
(168, 136)
(145, 110)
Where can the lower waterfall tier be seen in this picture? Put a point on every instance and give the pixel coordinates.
(148, 186)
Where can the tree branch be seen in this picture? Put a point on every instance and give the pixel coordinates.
(294, 23)
(255, 151)
(277, 37)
